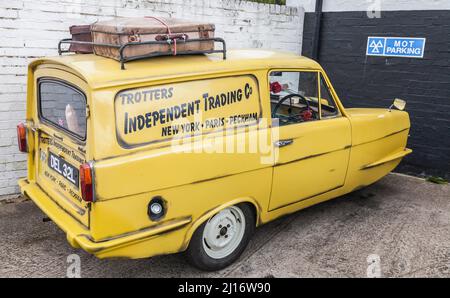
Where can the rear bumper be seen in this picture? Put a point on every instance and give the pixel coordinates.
(143, 243)
(63, 220)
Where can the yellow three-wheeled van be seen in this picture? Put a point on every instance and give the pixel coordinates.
(191, 153)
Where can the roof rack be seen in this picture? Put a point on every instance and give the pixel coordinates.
(123, 59)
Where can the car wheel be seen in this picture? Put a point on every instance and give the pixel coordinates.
(220, 241)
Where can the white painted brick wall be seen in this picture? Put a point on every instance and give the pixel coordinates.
(32, 28)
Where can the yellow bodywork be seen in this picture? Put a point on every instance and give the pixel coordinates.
(327, 159)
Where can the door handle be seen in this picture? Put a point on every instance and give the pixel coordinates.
(283, 143)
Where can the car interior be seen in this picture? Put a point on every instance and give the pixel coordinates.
(294, 97)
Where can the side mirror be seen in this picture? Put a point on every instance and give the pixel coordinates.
(399, 104)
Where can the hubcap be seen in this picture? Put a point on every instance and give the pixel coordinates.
(223, 232)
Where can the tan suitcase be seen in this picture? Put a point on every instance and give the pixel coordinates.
(121, 31)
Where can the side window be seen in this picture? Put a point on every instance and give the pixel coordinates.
(328, 105)
(293, 96)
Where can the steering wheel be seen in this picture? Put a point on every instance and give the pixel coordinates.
(306, 113)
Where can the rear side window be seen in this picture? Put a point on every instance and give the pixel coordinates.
(182, 110)
(64, 106)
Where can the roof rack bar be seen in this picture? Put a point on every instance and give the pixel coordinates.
(70, 41)
(123, 59)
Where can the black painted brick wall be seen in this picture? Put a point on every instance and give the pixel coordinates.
(364, 81)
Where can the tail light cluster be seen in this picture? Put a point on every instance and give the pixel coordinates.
(87, 182)
(86, 170)
(22, 137)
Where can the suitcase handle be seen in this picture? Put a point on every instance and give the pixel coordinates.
(169, 33)
(169, 38)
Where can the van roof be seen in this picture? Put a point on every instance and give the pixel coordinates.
(102, 72)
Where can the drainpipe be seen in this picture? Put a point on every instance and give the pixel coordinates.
(316, 39)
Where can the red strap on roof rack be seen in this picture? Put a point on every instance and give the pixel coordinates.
(169, 33)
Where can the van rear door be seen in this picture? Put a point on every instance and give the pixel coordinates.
(61, 137)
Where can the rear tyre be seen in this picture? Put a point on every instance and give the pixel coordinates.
(220, 241)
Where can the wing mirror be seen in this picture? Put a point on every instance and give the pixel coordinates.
(399, 104)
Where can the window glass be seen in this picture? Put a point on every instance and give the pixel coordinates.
(293, 97)
(328, 105)
(63, 106)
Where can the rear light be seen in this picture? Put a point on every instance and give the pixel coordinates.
(87, 182)
(22, 137)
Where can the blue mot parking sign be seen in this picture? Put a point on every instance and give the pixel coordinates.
(396, 47)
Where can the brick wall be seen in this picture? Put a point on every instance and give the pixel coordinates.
(375, 81)
(32, 28)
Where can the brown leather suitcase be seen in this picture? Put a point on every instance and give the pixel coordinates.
(121, 31)
(81, 33)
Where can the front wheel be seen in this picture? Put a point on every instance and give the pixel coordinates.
(220, 241)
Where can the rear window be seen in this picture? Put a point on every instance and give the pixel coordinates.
(64, 106)
(182, 110)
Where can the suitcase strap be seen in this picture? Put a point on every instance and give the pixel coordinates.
(169, 37)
